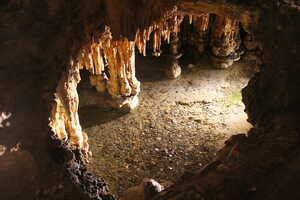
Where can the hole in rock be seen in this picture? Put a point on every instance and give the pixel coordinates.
(178, 126)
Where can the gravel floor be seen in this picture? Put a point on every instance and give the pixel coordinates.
(179, 125)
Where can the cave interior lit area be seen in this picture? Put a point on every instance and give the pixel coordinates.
(181, 119)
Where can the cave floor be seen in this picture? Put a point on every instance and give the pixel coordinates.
(179, 125)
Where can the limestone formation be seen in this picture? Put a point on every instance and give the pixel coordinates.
(99, 82)
(160, 30)
(120, 58)
(221, 36)
(64, 119)
(173, 69)
(225, 40)
(120, 82)
(112, 67)
(201, 29)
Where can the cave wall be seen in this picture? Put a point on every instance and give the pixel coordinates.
(273, 90)
(37, 40)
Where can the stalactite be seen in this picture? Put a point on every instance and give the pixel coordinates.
(201, 28)
(99, 56)
(113, 84)
(99, 82)
(161, 30)
(97, 59)
(122, 81)
(119, 56)
(190, 19)
(201, 23)
(225, 41)
(225, 38)
(130, 72)
(141, 42)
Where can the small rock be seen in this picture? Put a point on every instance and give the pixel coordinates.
(146, 190)
(190, 66)
(2, 150)
(195, 118)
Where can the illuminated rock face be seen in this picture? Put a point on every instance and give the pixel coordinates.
(120, 58)
(111, 64)
(112, 67)
(64, 119)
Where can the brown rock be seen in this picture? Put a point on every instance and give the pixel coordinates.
(145, 191)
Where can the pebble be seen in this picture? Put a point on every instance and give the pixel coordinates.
(2, 150)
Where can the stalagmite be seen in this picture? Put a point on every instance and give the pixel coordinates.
(64, 119)
(173, 69)
(225, 40)
(121, 84)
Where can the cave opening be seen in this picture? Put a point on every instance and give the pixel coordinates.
(179, 124)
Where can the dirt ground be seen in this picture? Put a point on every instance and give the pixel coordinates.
(178, 127)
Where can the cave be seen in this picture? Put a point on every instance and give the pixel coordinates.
(179, 123)
(86, 84)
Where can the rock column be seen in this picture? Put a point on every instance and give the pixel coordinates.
(225, 41)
